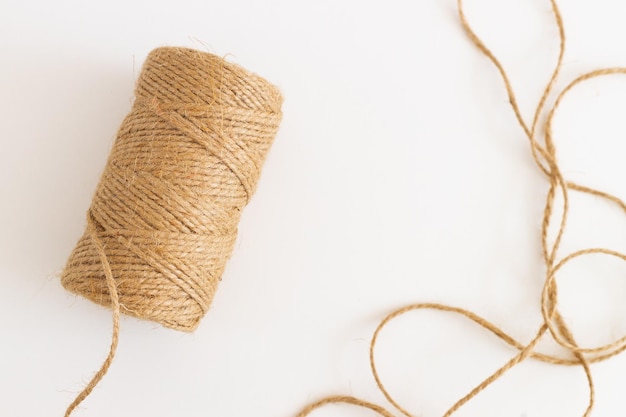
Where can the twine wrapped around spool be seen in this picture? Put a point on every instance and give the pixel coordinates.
(185, 162)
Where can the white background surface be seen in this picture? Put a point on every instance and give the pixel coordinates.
(399, 175)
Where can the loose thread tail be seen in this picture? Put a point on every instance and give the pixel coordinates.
(115, 307)
(553, 324)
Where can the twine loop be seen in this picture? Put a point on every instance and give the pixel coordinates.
(544, 155)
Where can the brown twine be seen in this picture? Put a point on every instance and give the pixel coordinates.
(553, 324)
(163, 220)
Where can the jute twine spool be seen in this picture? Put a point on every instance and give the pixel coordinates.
(163, 220)
(553, 325)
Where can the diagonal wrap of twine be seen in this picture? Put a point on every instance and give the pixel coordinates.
(163, 221)
(544, 154)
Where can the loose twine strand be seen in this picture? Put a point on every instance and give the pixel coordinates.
(545, 158)
(163, 221)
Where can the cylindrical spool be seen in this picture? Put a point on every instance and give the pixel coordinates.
(185, 162)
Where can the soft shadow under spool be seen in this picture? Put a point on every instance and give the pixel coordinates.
(185, 162)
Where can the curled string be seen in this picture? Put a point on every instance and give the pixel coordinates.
(553, 324)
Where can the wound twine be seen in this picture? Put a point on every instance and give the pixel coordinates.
(163, 220)
(544, 154)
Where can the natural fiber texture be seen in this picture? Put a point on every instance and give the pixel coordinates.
(185, 163)
(163, 220)
(553, 324)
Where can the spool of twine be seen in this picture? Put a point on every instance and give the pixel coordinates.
(163, 221)
(185, 162)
